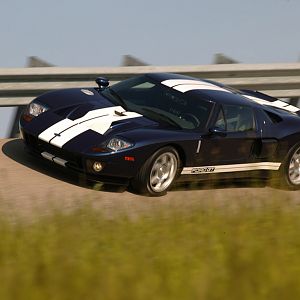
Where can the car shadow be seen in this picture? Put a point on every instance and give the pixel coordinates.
(221, 184)
(15, 150)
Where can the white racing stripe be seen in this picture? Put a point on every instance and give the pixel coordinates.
(185, 85)
(231, 168)
(69, 134)
(48, 134)
(98, 120)
(277, 103)
(174, 82)
(190, 87)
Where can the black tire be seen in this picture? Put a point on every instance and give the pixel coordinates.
(289, 176)
(165, 164)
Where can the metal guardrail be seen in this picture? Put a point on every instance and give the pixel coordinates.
(19, 86)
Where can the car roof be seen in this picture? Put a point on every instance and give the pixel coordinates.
(203, 88)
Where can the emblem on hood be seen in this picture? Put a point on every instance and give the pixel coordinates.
(87, 92)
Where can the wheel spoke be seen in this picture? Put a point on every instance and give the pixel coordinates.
(154, 181)
(170, 166)
(164, 159)
(296, 156)
(155, 169)
(158, 185)
(165, 176)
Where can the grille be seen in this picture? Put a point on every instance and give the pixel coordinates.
(74, 160)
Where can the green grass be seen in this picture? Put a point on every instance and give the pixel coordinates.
(210, 252)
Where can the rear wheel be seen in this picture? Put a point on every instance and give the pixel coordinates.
(290, 172)
(158, 173)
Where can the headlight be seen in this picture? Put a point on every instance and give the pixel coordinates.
(117, 144)
(35, 109)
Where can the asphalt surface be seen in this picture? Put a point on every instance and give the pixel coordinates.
(28, 185)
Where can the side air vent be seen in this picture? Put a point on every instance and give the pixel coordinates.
(273, 117)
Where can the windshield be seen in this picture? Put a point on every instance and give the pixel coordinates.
(155, 101)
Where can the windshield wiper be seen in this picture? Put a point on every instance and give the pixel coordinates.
(118, 97)
(162, 116)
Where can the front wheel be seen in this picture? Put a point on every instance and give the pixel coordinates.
(158, 173)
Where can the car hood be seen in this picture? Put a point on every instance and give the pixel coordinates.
(75, 96)
(80, 118)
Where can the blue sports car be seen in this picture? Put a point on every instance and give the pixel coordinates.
(154, 129)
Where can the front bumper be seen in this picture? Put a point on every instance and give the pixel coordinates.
(116, 169)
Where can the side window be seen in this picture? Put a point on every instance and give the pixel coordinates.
(221, 123)
(239, 118)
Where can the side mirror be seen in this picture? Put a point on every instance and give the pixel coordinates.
(217, 131)
(102, 83)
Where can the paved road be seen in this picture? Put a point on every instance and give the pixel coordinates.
(28, 184)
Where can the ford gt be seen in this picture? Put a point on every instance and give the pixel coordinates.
(154, 129)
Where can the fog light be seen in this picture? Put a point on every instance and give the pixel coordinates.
(97, 166)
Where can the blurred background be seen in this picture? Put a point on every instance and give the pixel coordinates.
(61, 239)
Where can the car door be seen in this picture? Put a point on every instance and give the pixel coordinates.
(233, 138)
